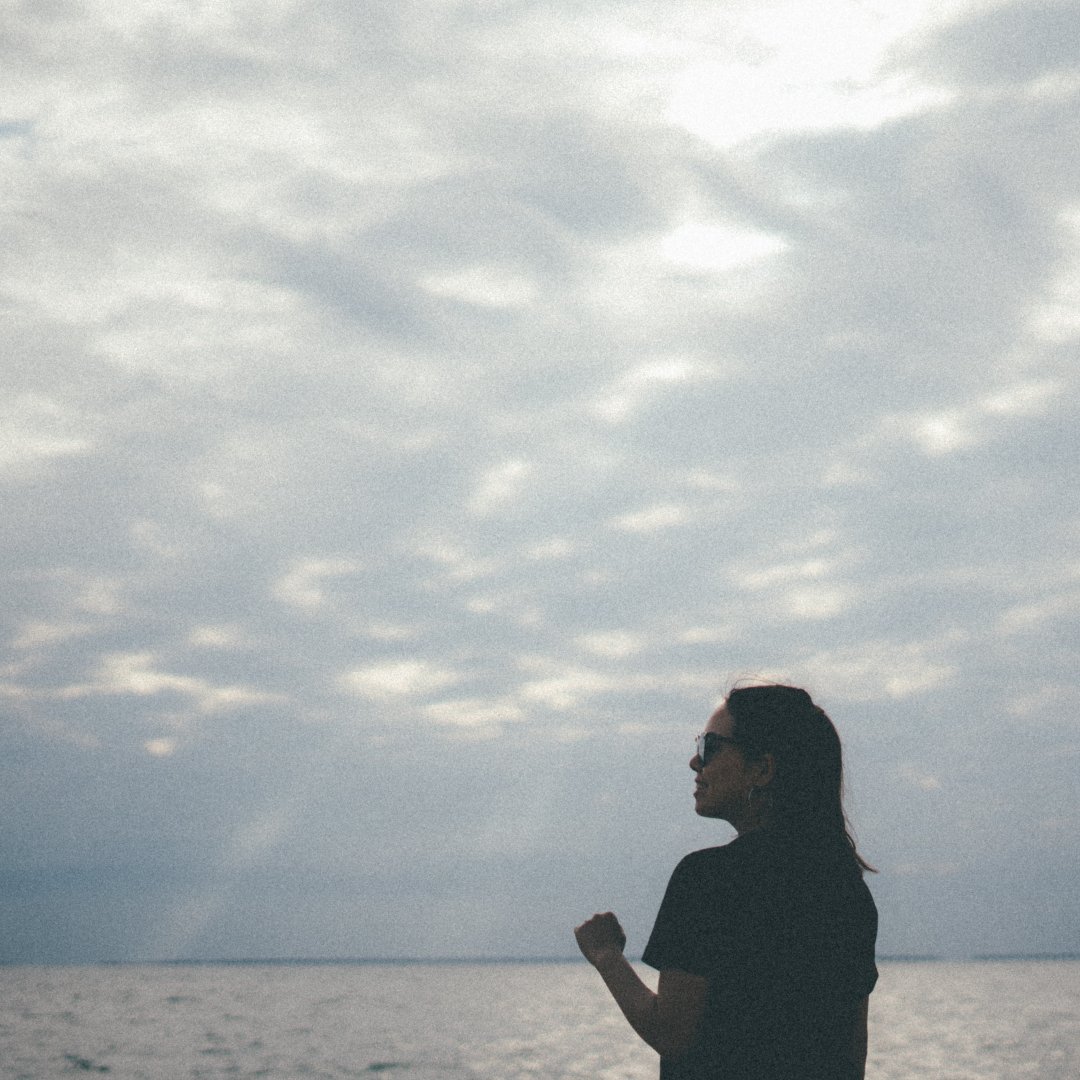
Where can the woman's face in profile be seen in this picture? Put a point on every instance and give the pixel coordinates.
(721, 788)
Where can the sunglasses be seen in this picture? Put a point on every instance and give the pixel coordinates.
(709, 743)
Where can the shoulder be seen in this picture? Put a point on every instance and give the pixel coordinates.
(707, 863)
(748, 849)
(706, 857)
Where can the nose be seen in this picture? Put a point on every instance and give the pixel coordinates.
(696, 763)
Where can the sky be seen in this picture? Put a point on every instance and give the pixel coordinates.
(414, 417)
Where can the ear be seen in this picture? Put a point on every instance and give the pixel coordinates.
(764, 769)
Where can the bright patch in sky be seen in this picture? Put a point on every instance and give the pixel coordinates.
(398, 679)
(640, 385)
(616, 644)
(802, 67)
(500, 486)
(484, 287)
(1057, 316)
(160, 748)
(706, 247)
(652, 518)
(34, 427)
(306, 584)
(475, 713)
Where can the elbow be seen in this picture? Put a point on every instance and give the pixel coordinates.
(672, 1036)
(672, 1044)
(679, 1008)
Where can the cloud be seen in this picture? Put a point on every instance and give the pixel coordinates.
(1034, 618)
(638, 385)
(500, 486)
(652, 519)
(37, 428)
(398, 679)
(137, 674)
(34, 635)
(1006, 44)
(801, 68)
(160, 748)
(1045, 703)
(303, 585)
(474, 713)
(614, 644)
(563, 687)
(877, 669)
(523, 375)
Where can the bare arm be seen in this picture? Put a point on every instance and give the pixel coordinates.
(667, 1019)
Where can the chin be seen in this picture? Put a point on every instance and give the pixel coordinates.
(716, 813)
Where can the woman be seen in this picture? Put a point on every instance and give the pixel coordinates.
(765, 947)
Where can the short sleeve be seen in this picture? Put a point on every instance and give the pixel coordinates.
(685, 923)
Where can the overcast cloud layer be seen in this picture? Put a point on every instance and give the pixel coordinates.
(416, 415)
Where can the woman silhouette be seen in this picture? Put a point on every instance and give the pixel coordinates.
(765, 947)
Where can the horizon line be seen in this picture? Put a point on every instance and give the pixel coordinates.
(346, 961)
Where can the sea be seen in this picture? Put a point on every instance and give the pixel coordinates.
(972, 1020)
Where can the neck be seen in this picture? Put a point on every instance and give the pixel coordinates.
(751, 820)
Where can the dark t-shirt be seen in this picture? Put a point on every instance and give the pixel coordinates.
(785, 935)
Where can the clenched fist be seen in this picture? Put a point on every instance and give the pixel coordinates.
(600, 937)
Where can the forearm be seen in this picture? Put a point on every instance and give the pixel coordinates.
(636, 1001)
(665, 1020)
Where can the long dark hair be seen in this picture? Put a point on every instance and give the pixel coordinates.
(805, 797)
